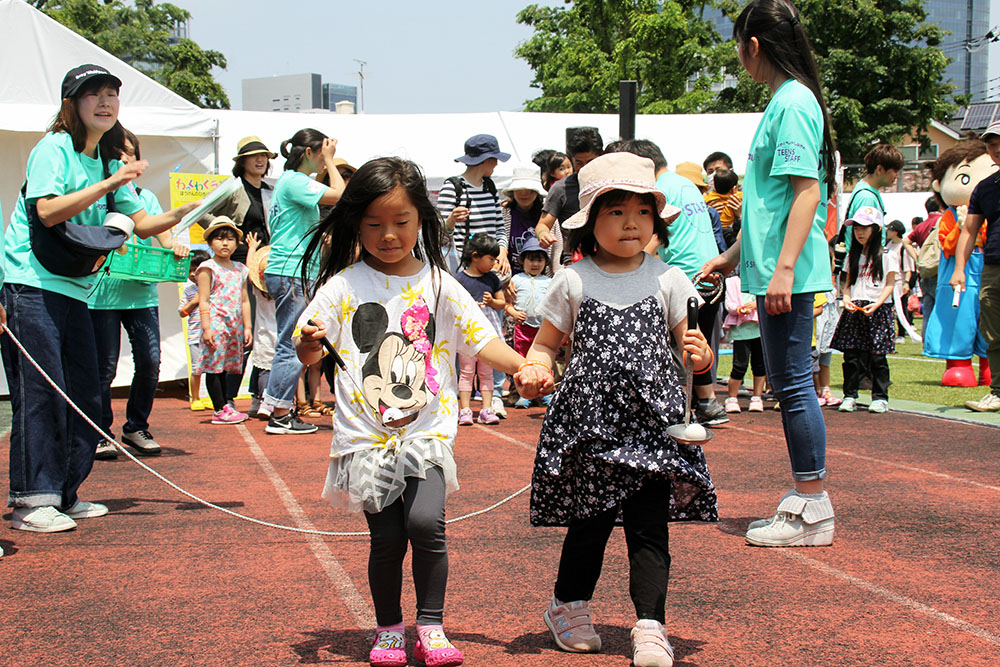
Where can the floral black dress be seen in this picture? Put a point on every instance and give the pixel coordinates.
(605, 432)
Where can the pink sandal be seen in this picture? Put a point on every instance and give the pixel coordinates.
(439, 652)
(389, 647)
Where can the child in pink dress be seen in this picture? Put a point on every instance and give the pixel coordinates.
(225, 317)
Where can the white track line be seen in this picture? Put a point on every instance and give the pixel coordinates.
(910, 603)
(872, 459)
(363, 614)
(514, 441)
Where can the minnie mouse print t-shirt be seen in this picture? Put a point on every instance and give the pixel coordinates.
(398, 336)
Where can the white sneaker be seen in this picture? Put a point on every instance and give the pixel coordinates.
(81, 509)
(46, 519)
(756, 404)
(849, 404)
(799, 522)
(732, 405)
(988, 403)
(879, 406)
(106, 450)
(650, 647)
(499, 408)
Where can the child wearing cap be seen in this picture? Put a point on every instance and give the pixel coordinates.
(521, 210)
(469, 203)
(530, 287)
(865, 333)
(225, 316)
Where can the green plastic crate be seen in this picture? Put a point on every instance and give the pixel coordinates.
(147, 264)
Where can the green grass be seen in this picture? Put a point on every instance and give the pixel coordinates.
(914, 377)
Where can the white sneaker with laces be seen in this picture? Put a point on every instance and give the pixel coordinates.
(650, 647)
(499, 408)
(756, 404)
(81, 509)
(849, 404)
(732, 405)
(46, 519)
(988, 403)
(799, 522)
(142, 442)
(879, 406)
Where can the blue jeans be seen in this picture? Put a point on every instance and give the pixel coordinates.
(289, 304)
(143, 328)
(51, 447)
(787, 342)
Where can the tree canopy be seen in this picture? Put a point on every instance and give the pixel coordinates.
(879, 61)
(142, 34)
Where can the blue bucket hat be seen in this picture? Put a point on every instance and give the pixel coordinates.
(480, 148)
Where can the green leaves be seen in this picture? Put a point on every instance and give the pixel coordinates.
(878, 59)
(141, 34)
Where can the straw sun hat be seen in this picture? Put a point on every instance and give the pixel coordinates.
(618, 171)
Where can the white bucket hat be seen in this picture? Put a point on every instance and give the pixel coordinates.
(527, 176)
(618, 171)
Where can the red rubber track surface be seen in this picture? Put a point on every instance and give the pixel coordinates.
(913, 577)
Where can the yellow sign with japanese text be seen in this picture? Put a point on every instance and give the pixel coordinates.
(186, 188)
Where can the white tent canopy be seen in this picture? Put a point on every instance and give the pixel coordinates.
(434, 140)
(36, 52)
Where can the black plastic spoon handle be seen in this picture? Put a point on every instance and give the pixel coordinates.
(692, 313)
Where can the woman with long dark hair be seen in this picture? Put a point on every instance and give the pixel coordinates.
(783, 253)
(72, 175)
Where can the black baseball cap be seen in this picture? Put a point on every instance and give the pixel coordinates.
(78, 76)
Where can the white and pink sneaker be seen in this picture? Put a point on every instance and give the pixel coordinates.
(227, 415)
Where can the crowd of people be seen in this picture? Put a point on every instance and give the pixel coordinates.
(581, 269)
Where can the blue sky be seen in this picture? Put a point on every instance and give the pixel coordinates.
(431, 57)
(425, 57)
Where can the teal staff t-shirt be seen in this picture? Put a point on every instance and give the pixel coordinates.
(114, 294)
(691, 241)
(55, 168)
(788, 142)
(294, 213)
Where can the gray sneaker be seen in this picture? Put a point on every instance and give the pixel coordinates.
(142, 442)
(106, 451)
(710, 414)
(289, 424)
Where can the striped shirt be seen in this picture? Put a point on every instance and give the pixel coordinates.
(484, 213)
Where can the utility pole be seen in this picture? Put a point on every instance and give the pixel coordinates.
(361, 78)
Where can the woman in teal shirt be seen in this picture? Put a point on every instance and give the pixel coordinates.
(783, 254)
(294, 214)
(51, 447)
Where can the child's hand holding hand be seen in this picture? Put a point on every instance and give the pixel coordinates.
(534, 380)
(696, 346)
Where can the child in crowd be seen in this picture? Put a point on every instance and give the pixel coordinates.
(894, 232)
(265, 327)
(189, 309)
(478, 257)
(725, 197)
(530, 288)
(470, 203)
(521, 210)
(225, 317)
(554, 166)
(742, 329)
(398, 319)
(826, 310)
(604, 456)
(865, 333)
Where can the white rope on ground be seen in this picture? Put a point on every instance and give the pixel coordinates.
(201, 501)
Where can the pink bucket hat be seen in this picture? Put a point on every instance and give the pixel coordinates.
(618, 171)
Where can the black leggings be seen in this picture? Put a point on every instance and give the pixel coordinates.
(221, 388)
(747, 353)
(645, 521)
(417, 518)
